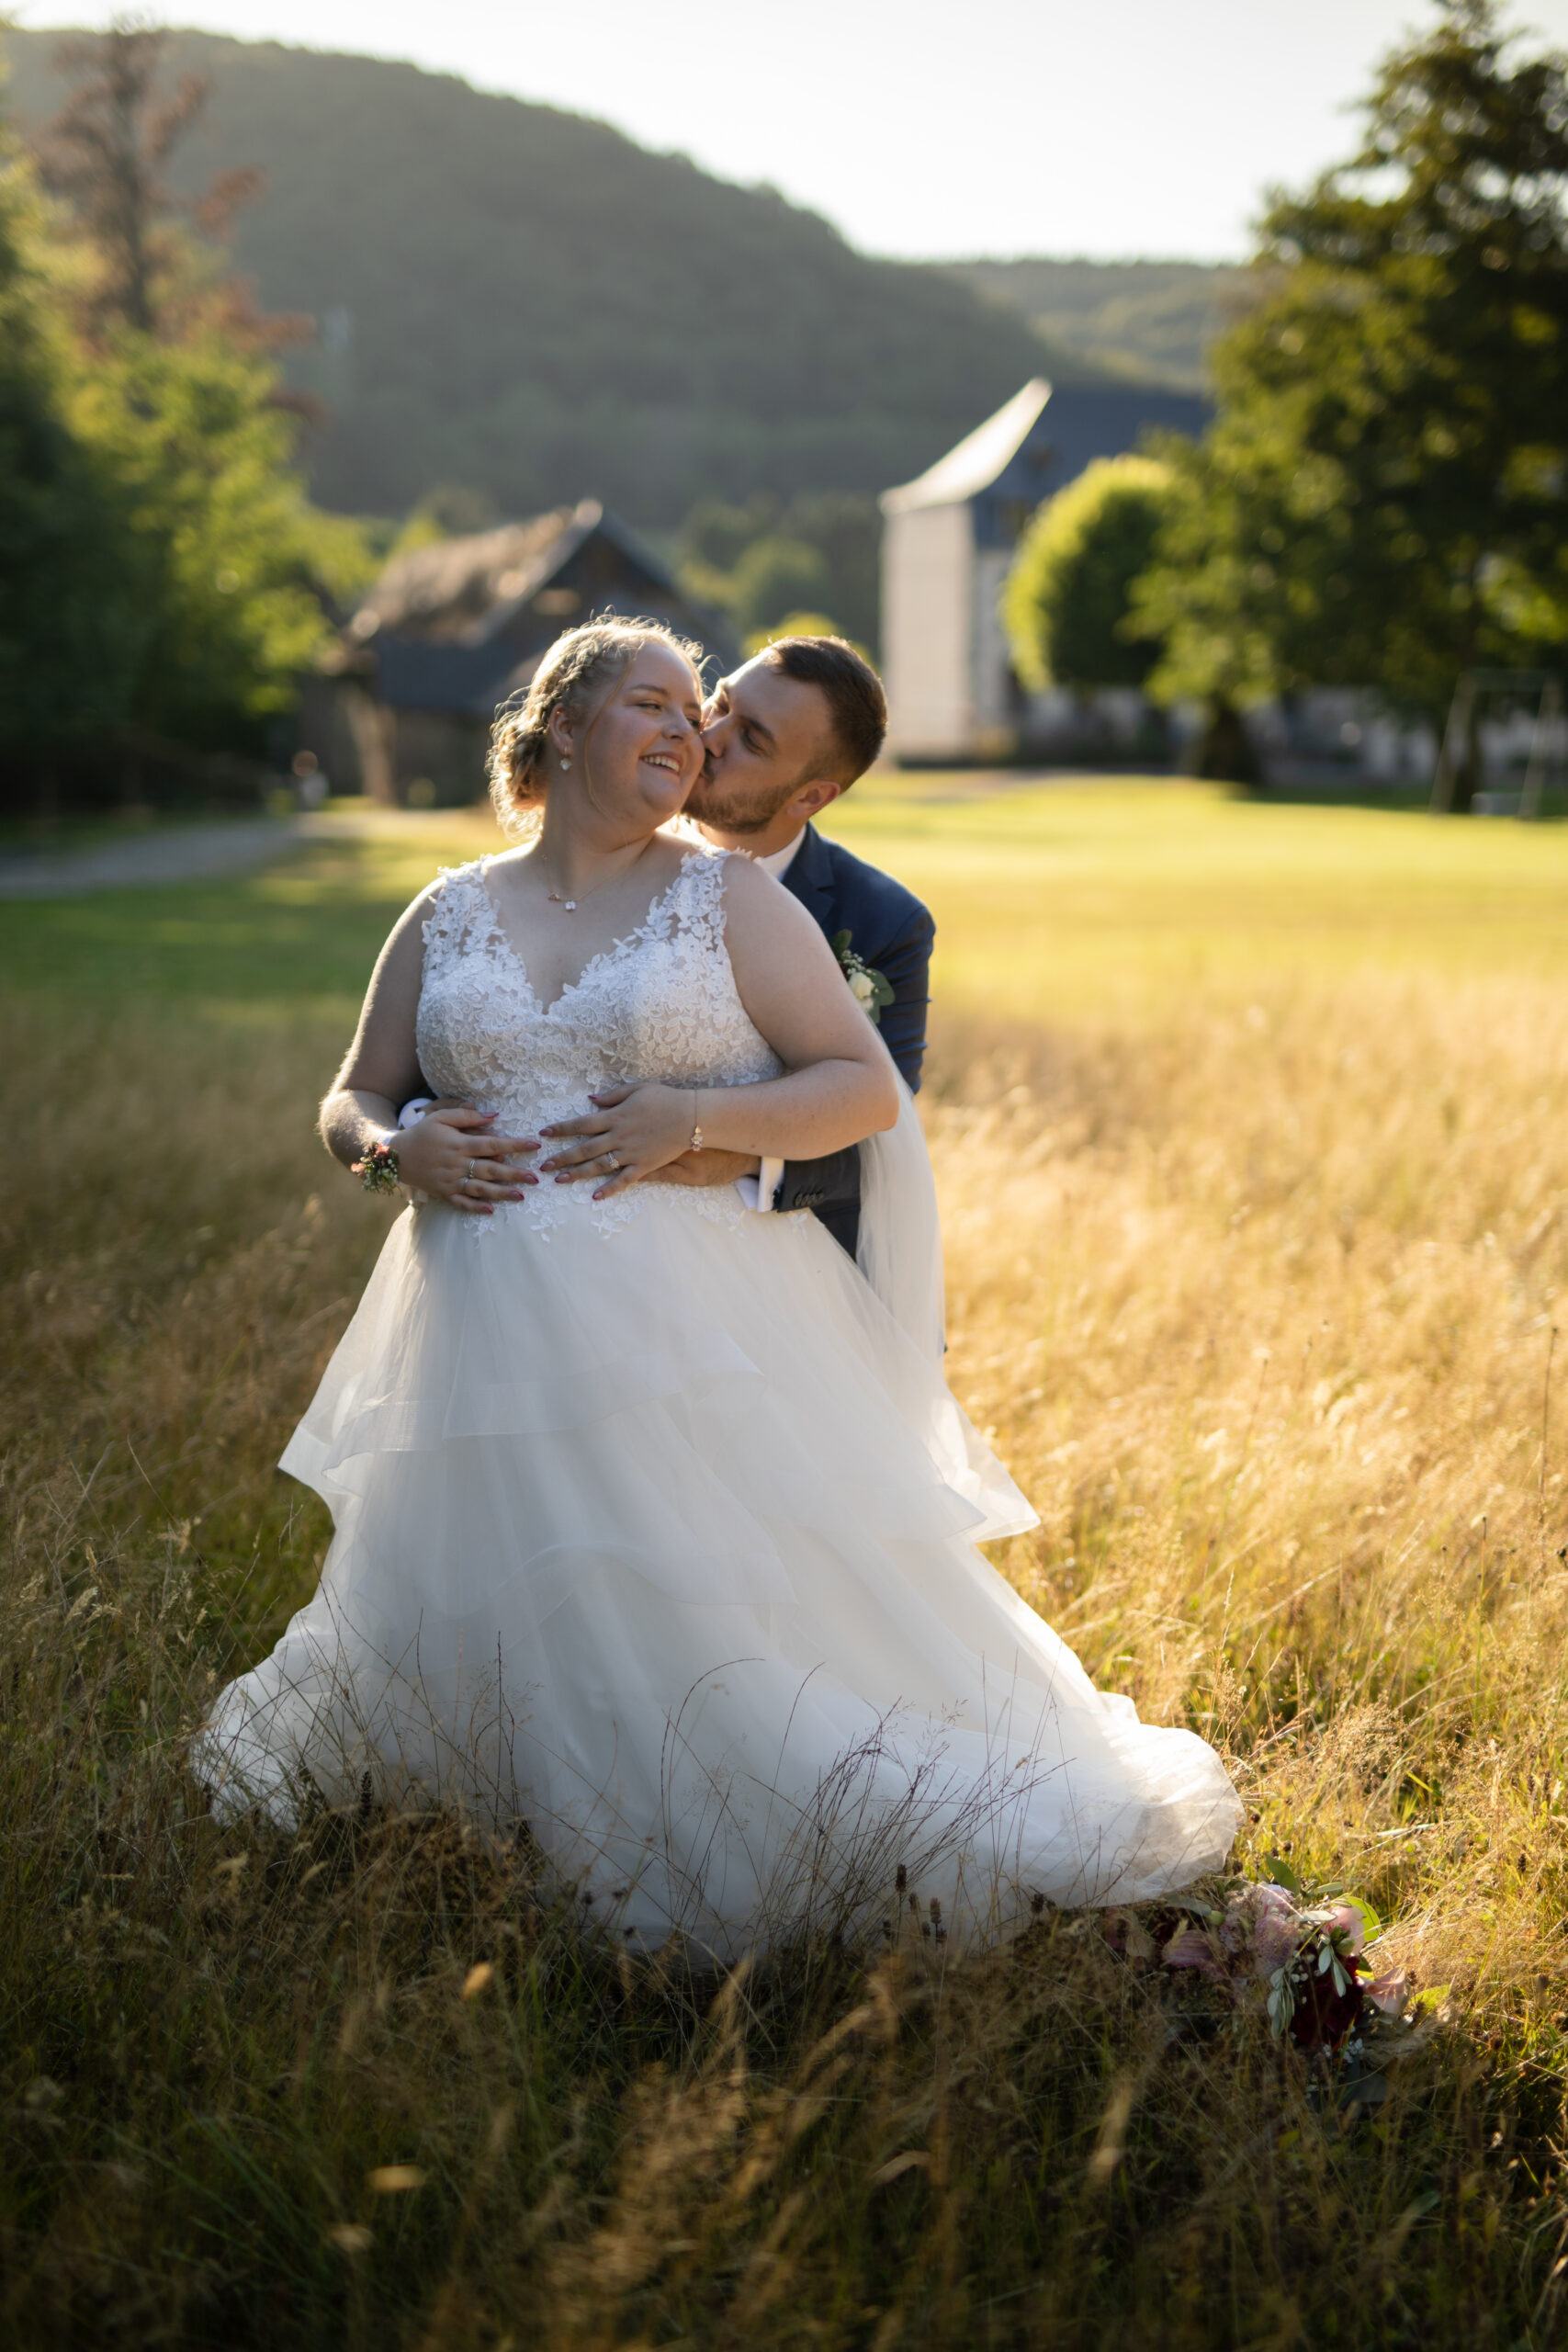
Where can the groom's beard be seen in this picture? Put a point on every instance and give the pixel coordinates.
(734, 812)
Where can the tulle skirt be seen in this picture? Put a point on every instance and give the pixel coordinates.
(660, 1541)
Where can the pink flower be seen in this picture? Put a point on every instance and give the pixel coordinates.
(1277, 1930)
(1388, 1994)
(1194, 1948)
(1347, 1919)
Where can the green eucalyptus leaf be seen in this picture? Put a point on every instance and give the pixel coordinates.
(1372, 1926)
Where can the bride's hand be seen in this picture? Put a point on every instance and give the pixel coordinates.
(453, 1155)
(632, 1131)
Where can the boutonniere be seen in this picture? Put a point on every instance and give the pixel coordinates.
(870, 989)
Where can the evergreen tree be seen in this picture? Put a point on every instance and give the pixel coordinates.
(1384, 498)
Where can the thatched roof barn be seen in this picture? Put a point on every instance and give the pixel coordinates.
(450, 629)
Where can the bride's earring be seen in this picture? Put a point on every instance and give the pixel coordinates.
(564, 765)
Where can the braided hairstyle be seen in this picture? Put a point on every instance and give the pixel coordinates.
(578, 671)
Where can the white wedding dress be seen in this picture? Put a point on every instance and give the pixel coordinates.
(657, 1532)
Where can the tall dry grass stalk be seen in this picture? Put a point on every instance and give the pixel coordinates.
(1259, 1304)
(1291, 1278)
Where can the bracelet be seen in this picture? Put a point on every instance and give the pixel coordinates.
(696, 1142)
(377, 1170)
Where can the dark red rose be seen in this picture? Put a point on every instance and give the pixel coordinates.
(1324, 2018)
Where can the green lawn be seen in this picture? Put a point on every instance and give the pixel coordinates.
(1061, 900)
(1051, 901)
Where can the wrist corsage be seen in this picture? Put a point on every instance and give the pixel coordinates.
(870, 989)
(377, 1170)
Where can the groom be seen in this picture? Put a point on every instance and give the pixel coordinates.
(786, 735)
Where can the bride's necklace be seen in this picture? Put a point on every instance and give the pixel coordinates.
(559, 897)
(556, 898)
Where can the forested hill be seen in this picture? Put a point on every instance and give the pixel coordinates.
(1150, 322)
(525, 302)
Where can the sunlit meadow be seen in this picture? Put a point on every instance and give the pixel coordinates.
(1251, 1124)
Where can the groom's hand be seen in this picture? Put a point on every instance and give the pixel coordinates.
(707, 1167)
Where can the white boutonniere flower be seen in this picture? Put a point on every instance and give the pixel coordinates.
(871, 990)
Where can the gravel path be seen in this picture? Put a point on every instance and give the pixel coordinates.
(182, 855)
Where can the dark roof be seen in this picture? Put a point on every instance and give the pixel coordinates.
(1083, 422)
(454, 588)
(1038, 442)
(460, 623)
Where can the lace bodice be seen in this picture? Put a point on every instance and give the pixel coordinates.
(660, 1003)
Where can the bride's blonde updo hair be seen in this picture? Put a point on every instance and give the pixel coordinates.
(579, 669)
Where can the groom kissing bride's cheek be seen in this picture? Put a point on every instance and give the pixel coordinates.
(784, 738)
(657, 1526)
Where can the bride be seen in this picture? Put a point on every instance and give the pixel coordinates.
(656, 1524)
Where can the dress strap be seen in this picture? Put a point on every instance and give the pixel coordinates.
(454, 905)
(695, 905)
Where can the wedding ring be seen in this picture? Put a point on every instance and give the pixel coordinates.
(469, 1171)
(612, 1160)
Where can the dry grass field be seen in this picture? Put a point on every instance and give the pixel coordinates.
(1251, 1124)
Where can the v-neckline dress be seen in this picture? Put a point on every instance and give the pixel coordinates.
(655, 1534)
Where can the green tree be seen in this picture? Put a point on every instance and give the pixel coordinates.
(167, 573)
(1068, 596)
(232, 571)
(776, 576)
(67, 632)
(1383, 497)
(762, 560)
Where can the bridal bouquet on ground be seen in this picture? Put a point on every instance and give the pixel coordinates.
(1297, 1952)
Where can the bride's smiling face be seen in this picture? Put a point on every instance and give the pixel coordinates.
(637, 756)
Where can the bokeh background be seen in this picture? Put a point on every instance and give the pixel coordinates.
(1173, 402)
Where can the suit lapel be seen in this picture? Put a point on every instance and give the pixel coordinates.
(810, 879)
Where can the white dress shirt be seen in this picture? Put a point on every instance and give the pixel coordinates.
(758, 1191)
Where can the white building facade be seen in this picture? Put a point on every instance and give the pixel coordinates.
(947, 543)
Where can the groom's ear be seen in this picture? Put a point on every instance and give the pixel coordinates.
(815, 796)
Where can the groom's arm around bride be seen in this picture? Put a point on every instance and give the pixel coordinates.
(785, 737)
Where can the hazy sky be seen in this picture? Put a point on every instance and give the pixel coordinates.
(939, 127)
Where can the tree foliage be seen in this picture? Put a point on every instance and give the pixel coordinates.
(64, 665)
(160, 567)
(1069, 594)
(228, 569)
(767, 561)
(1383, 500)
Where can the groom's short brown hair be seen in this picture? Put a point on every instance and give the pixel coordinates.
(857, 708)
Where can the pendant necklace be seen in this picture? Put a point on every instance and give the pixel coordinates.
(558, 898)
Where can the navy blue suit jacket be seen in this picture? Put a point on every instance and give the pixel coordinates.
(893, 933)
